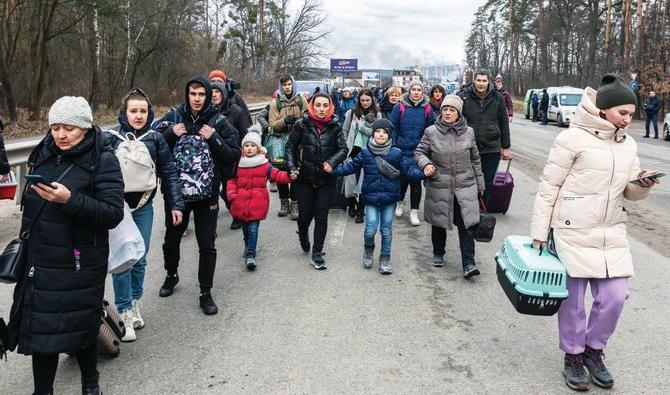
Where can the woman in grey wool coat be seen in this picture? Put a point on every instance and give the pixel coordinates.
(449, 158)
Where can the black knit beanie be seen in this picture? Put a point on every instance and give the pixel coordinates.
(384, 124)
(614, 91)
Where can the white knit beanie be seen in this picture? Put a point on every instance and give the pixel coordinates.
(252, 137)
(71, 110)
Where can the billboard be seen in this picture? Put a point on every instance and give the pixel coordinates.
(343, 65)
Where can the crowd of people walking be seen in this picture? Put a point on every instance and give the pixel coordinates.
(371, 147)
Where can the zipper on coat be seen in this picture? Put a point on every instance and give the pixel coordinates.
(31, 273)
(77, 262)
(607, 205)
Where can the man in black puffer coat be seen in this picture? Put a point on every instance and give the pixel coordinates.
(191, 120)
(58, 302)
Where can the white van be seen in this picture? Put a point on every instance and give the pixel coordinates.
(563, 102)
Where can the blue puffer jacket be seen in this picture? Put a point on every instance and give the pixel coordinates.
(345, 105)
(408, 128)
(378, 189)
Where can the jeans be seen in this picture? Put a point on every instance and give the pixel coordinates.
(649, 118)
(575, 332)
(490, 164)
(45, 366)
(129, 285)
(313, 203)
(543, 117)
(414, 194)
(250, 232)
(466, 238)
(373, 215)
(205, 215)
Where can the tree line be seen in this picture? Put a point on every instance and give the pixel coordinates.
(539, 43)
(99, 49)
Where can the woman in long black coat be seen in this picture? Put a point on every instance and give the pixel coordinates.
(57, 304)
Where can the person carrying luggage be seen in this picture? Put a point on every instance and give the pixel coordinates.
(449, 158)
(580, 201)
(58, 299)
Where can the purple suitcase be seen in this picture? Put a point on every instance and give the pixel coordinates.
(501, 191)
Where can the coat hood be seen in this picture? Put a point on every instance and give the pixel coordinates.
(85, 154)
(223, 106)
(473, 92)
(460, 127)
(123, 118)
(587, 117)
(408, 101)
(282, 95)
(199, 79)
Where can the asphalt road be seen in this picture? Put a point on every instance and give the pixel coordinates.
(288, 328)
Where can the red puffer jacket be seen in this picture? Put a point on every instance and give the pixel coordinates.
(248, 192)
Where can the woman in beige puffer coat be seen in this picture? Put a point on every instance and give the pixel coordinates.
(580, 202)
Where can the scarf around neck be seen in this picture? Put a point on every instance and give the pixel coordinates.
(459, 127)
(247, 162)
(379, 149)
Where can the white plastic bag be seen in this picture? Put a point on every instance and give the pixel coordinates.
(126, 245)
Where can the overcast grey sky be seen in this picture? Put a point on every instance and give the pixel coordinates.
(398, 33)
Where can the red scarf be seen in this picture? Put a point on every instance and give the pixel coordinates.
(320, 123)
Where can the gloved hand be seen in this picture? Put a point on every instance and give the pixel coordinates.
(289, 120)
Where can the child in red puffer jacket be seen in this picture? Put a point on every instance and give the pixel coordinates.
(248, 194)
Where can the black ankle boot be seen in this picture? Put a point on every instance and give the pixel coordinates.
(89, 385)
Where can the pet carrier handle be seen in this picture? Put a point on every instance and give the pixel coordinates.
(542, 249)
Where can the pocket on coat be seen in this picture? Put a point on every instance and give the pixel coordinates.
(576, 211)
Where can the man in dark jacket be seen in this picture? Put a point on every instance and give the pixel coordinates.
(544, 107)
(232, 95)
(485, 110)
(193, 119)
(535, 105)
(4, 162)
(651, 107)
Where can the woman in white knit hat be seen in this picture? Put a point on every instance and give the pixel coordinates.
(66, 219)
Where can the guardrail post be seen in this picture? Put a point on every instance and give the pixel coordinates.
(20, 171)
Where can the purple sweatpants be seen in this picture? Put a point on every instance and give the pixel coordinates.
(609, 295)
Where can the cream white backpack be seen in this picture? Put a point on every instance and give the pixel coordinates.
(137, 166)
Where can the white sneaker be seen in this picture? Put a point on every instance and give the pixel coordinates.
(400, 208)
(127, 317)
(138, 322)
(414, 217)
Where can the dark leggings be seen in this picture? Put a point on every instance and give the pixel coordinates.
(45, 365)
(286, 191)
(314, 203)
(414, 194)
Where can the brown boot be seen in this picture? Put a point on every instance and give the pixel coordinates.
(294, 210)
(283, 211)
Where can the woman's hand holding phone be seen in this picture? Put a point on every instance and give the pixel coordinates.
(56, 193)
(645, 179)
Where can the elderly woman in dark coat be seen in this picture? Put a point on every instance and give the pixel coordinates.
(58, 302)
(448, 155)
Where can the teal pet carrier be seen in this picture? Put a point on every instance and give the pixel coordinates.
(535, 282)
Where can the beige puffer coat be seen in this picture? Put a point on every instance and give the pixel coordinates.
(581, 195)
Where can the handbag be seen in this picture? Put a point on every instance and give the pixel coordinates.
(12, 260)
(386, 168)
(487, 224)
(126, 245)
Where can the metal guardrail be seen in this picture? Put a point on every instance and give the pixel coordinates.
(18, 152)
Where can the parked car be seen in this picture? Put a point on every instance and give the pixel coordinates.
(666, 127)
(527, 107)
(563, 102)
(308, 87)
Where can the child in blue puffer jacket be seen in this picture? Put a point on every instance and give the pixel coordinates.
(382, 166)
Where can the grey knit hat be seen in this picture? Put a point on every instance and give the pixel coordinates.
(415, 82)
(252, 137)
(453, 101)
(382, 123)
(614, 91)
(71, 110)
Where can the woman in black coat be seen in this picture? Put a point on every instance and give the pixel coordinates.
(58, 302)
(316, 144)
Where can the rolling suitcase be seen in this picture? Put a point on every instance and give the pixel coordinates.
(500, 195)
(339, 201)
(111, 331)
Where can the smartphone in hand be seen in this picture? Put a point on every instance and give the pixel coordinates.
(38, 179)
(649, 177)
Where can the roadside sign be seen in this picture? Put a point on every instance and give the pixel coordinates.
(343, 65)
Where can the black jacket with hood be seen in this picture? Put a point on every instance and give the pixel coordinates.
(488, 117)
(160, 154)
(58, 302)
(224, 144)
(235, 114)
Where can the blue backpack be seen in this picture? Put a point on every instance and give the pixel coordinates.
(195, 166)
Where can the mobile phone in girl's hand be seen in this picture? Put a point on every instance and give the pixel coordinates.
(649, 177)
